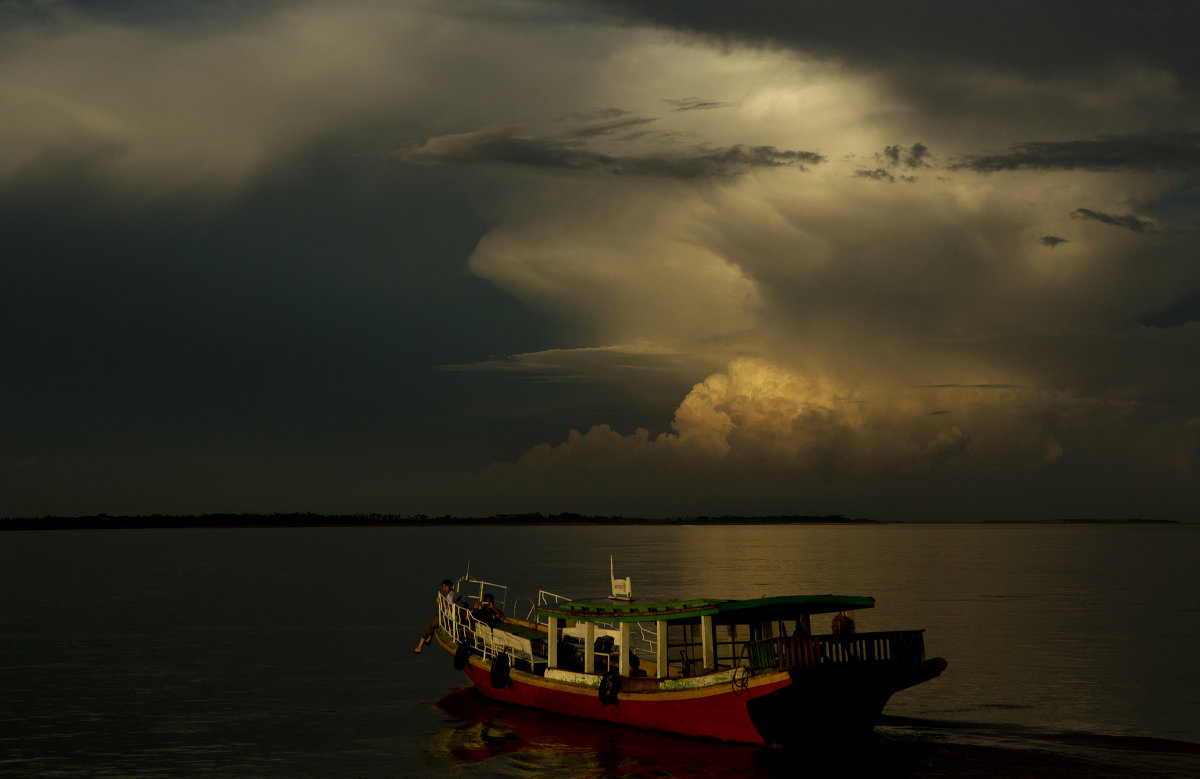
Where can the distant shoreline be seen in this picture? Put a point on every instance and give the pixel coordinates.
(215, 521)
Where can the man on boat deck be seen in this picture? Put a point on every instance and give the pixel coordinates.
(843, 623)
(448, 595)
(486, 612)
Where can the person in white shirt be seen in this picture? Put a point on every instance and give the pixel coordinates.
(447, 595)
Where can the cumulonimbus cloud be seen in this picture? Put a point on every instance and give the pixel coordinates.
(760, 416)
(760, 433)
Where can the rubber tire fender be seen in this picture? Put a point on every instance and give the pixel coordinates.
(461, 656)
(500, 669)
(610, 685)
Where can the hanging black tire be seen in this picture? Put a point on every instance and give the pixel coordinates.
(500, 670)
(462, 655)
(610, 685)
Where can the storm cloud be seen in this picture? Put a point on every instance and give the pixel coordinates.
(600, 257)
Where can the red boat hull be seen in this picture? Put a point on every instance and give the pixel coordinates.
(717, 712)
(777, 707)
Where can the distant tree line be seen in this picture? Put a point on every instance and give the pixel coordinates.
(163, 521)
(150, 521)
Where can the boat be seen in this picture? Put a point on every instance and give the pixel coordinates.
(746, 671)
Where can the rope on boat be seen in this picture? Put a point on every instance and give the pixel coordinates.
(741, 679)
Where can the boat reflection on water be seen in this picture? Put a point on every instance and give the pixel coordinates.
(538, 744)
(499, 739)
(510, 740)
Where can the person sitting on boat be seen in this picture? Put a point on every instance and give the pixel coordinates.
(842, 623)
(804, 649)
(447, 596)
(635, 667)
(486, 612)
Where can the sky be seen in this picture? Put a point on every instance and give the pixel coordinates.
(475, 257)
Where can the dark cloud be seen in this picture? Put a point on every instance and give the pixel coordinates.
(131, 11)
(505, 146)
(169, 341)
(696, 104)
(879, 174)
(934, 36)
(609, 127)
(1182, 312)
(1128, 221)
(597, 115)
(1134, 152)
(971, 386)
(896, 156)
(999, 71)
(1051, 240)
(912, 157)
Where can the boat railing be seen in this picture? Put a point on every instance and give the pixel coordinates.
(530, 612)
(644, 640)
(545, 598)
(900, 647)
(455, 620)
(477, 588)
(486, 640)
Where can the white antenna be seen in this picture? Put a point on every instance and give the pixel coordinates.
(622, 589)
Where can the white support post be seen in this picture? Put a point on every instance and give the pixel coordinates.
(552, 643)
(589, 647)
(623, 666)
(706, 641)
(661, 659)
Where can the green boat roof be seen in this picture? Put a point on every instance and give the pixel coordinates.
(722, 611)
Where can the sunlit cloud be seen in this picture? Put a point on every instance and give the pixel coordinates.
(154, 107)
(758, 434)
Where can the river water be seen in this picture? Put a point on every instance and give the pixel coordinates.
(1072, 649)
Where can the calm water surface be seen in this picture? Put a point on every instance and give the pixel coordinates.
(1072, 649)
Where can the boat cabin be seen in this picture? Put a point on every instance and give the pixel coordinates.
(678, 643)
